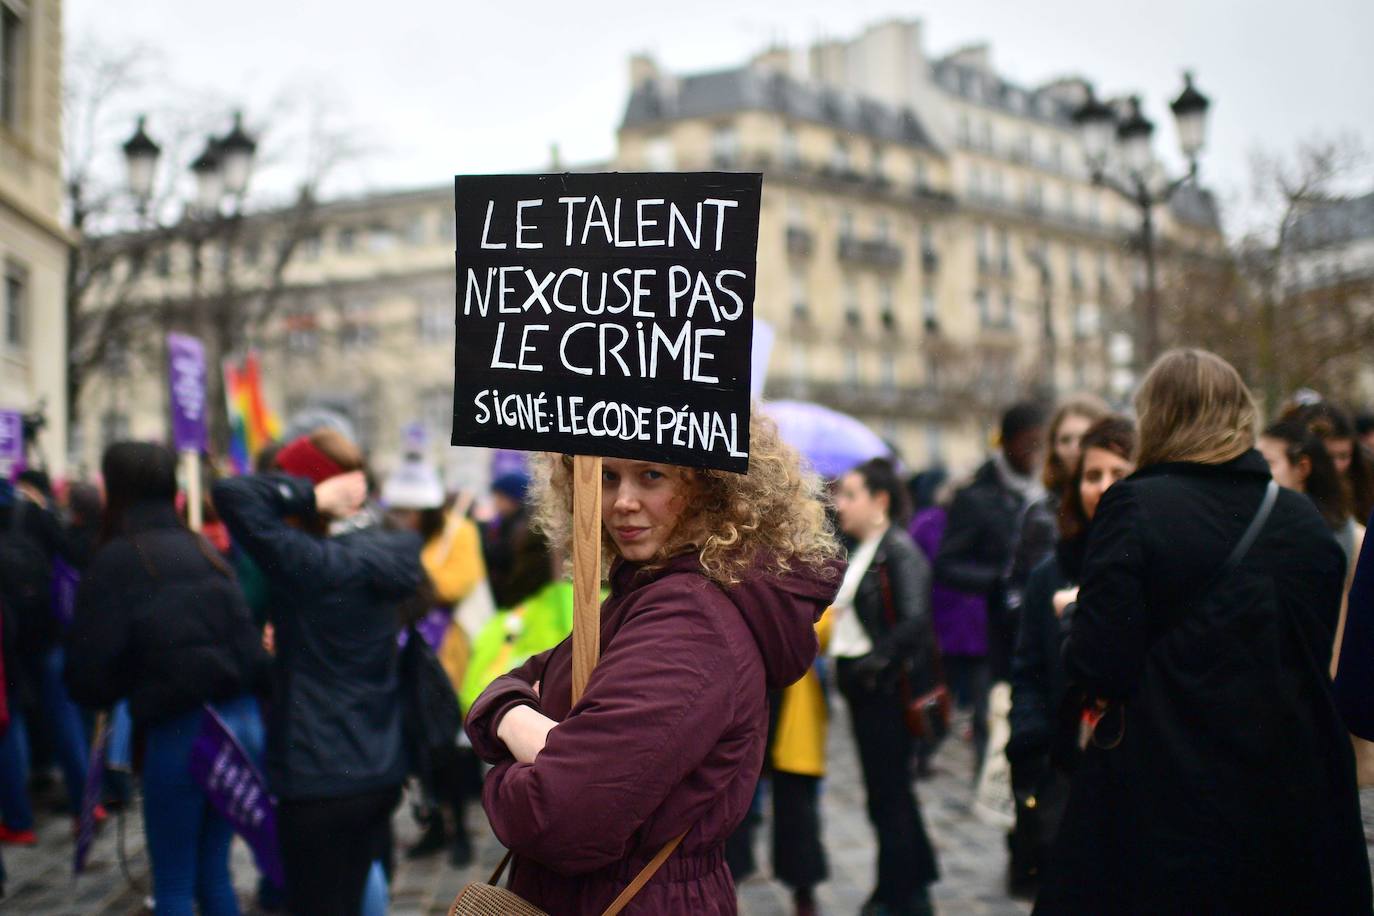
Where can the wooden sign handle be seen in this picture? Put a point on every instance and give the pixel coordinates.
(586, 558)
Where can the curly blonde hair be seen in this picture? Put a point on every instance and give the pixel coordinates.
(773, 516)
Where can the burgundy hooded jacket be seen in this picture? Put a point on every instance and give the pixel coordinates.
(669, 737)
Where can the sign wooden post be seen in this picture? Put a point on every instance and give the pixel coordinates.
(586, 551)
(605, 315)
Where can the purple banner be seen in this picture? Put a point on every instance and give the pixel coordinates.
(221, 767)
(186, 376)
(11, 443)
(90, 796)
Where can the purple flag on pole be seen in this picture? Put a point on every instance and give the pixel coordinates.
(90, 796)
(223, 769)
(186, 376)
(11, 443)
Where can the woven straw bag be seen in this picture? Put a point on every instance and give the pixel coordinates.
(478, 899)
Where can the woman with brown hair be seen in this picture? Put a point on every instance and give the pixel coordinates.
(1038, 680)
(717, 580)
(1217, 775)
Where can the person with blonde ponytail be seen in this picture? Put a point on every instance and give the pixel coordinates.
(1217, 776)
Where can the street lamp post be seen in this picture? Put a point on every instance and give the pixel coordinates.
(1128, 139)
(221, 171)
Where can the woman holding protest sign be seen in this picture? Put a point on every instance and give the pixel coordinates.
(717, 580)
(161, 621)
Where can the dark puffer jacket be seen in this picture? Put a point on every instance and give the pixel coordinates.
(159, 622)
(334, 727)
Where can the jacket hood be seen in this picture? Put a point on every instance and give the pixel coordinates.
(781, 610)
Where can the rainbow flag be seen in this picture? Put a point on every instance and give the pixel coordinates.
(251, 424)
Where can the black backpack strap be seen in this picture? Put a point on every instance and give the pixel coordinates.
(1252, 533)
(1247, 540)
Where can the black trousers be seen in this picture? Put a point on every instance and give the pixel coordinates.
(798, 854)
(328, 846)
(906, 860)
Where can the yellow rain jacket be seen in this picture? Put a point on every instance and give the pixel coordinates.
(799, 742)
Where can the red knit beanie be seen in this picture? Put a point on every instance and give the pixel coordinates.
(301, 458)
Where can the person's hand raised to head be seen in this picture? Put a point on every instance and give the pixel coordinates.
(341, 496)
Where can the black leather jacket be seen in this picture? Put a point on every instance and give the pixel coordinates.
(901, 633)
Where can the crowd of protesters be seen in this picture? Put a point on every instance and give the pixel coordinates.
(1175, 603)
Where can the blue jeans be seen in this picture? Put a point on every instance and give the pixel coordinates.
(188, 841)
(69, 735)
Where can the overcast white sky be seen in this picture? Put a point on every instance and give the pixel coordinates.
(437, 87)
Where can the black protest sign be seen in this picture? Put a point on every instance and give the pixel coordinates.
(607, 314)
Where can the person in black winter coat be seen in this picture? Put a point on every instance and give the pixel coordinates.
(1221, 778)
(977, 550)
(161, 622)
(335, 755)
(882, 633)
(42, 715)
(1038, 679)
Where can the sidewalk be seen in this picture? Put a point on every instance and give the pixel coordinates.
(972, 856)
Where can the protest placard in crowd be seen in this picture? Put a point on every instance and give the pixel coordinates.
(607, 314)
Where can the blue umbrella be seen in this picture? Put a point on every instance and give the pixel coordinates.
(832, 442)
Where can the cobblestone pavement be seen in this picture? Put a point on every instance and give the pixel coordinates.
(972, 856)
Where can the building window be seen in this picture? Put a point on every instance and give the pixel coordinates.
(995, 184)
(347, 240)
(311, 247)
(435, 320)
(448, 227)
(436, 411)
(162, 263)
(801, 308)
(1069, 208)
(928, 251)
(302, 331)
(846, 224)
(922, 175)
(11, 65)
(887, 373)
(251, 253)
(851, 367)
(877, 165)
(839, 158)
(1057, 156)
(1008, 311)
(800, 369)
(935, 444)
(852, 314)
(987, 136)
(984, 248)
(965, 136)
(725, 144)
(381, 239)
(887, 310)
(416, 231)
(980, 306)
(791, 148)
(16, 305)
(1035, 196)
(975, 182)
(882, 229)
(930, 314)
(114, 427)
(356, 331)
(658, 154)
(1004, 251)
